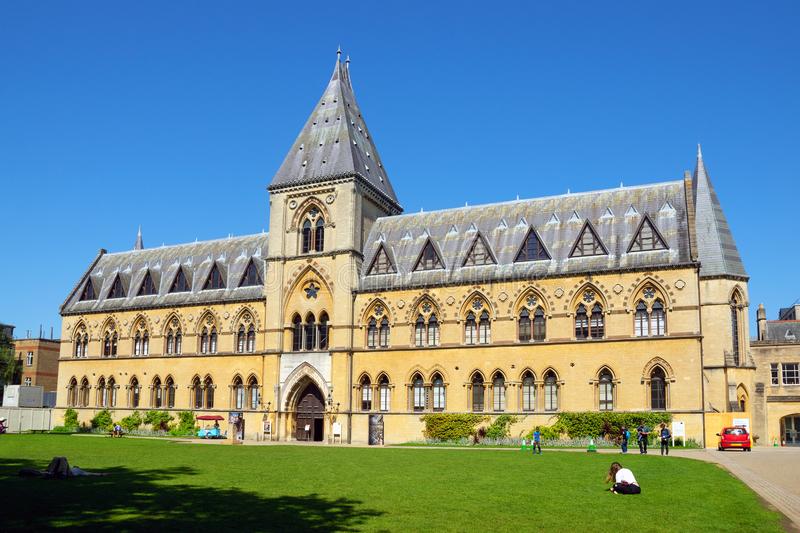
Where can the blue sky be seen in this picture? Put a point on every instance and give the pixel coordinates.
(175, 115)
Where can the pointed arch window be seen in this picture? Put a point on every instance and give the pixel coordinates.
(479, 253)
(499, 392)
(478, 389)
(251, 339)
(418, 390)
(88, 292)
(158, 394)
(384, 393)
(208, 385)
(204, 340)
(539, 325)
(484, 329)
(470, 329)
(214, 279)
(306, 236)
(169, 387)
(102, 393)
(319, 235)
(81, 343)
(658, 389)
(238, 393)
(72, 393)
(212, 340)
(310, 333)
(147, 288)
(297, 333)
(381, 264)
(641, 320)
(581, 323)
(384, 333)
(372, 333)
(112, 392)
(650, 322)
(658, 321)
(136, 392)
(597, 322)
(524, 326)
(324, 331)
(251, 276)
(588, 243)
(735, 333)
(420, 331)
(429, 258)
(433, 331)
(240, 339)
(647, 238)
(84, 398)
(528, 392)
(180, 283)
(197, 393)
(550, 391)
(117, 290)
(439, 393)
(252, 387)
(605, 386)
(366, 394)
(532, 249)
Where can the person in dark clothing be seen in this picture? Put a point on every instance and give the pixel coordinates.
(623, 480)
(624, 436)
(665, 435)
(641, 436)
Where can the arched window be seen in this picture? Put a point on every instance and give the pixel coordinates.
(597, 322)
(524, 326)
(81, 341)
(499, 392)
(252, 387)
(170, 343)
(528, 392)
(366, 394)
(484, 329)
(137, 344)
(306, 236)
(470, 329)
(178, 342)
(418, 390)
(735, 329)
(72, 393)
(384, 333)
(102, 393)
(581, 323)
(658, 389)
(323, 331)
(136, 392)
(641, 322)
(477, 392)
(310, 330)
(658, 319)
(433, 331)
(539, 328)
(238, 393)
(158, 394)
(605, 385)
(419, 331)
(112, 392)
(240, 339)
(146, 343)
(297, 333)
(372, 333)
(384, 393)
(170, 389)
(212, 340)
(85, 393)
(251, 339)
(204, 341)
(319, 235)
(208, 385)
(439, 393)
(550, 391)
(197, 393)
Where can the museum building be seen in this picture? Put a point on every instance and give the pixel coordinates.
(350, 317)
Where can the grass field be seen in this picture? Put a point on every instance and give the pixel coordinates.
(162, 484)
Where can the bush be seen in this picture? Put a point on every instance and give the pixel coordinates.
(63, 429)
(131, 422)
(159, 420)
(185, 425)
(604, 424)
(103, 420)
(447, 426)
(501, 427)
(71, 418)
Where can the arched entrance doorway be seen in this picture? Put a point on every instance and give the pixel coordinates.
(790, 429)
(310, 414)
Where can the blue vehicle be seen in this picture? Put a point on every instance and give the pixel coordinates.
(212, 432)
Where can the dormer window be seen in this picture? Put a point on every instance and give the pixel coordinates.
(117, 290)
(88, 291)
(214, 280)
(251, 276)
(148, 288)
(180, 283)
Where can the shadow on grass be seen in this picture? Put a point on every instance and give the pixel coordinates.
(137, 500)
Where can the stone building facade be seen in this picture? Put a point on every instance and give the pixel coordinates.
(776, 402)
(38, 359)
(349, 314)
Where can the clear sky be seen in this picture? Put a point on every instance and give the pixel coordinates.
(174, 115)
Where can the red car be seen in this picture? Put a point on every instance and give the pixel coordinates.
(734, 437)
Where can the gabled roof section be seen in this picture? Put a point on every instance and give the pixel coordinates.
(117, 290)
(335, 143)
(588, 243)
(251, 276)
(180, 283)
(715, 245)
(215, 279)
(381, 263)
(148, 286)
(429, 258)
(531, 248)
(647, 237)
(88, 292)
(479, 253)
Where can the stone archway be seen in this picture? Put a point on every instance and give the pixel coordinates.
(309, 413)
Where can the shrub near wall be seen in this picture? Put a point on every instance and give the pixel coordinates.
(608, 424)
(447, 426)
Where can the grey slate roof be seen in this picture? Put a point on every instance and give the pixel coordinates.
(232, 255)
(335, 142)
(615, 215)
(716, 248)
(783, 331)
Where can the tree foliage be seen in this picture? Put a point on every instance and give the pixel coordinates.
(159, 420)
(103, 420)
(450, 426)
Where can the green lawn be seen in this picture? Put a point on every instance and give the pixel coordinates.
(162, 484)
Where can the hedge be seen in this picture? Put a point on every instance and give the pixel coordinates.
(450, 426)
(601, 424)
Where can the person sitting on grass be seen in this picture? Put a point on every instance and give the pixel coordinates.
(624, 482)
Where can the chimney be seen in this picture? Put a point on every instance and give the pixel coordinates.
(761, 322)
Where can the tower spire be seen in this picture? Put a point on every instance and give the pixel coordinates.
(139, 244)
(339, 53)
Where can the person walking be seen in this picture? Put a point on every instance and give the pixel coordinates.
(537, 441)
(624, 482)
(665, 436)
(642, 433)
(624, 436)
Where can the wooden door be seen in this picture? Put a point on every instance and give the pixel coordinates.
(310, 413)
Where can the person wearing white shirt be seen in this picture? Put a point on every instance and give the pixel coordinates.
(623, 479)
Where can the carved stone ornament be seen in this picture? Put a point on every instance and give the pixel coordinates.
(426, 307)
(226, 315)
(246, 318)
(209, 320)
(477, 304)
(559, 292)
(531, 301)
(378, 310)
(588, 296)
(618, 288)
(329, 199)
(158, 320)
(292, 204)
(190, 318)
(124, 322)
(502, 297)
(450, 300)
(680, 284)
(311, 290)
(175, 323)
(67, 326)
(649, 293)
(401, 304)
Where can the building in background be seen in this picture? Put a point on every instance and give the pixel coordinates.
(351, 317)
(7, 330)
(776, 404)
(38, 359)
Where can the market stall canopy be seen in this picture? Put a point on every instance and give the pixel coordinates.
(210, 417)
